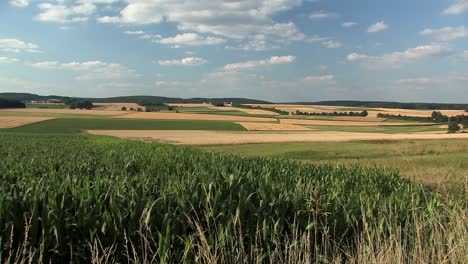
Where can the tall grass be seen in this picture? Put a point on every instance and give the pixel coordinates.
(101, 200)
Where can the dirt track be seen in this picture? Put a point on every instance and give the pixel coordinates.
(185, 116)
(232, 138)
(16, 121)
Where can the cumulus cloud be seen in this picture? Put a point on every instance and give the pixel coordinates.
(90, 70)
(63, 14)
(190, 39)
(230, 19)
(19, 3)
(136, 32)
(348, 24)
(399, 58)
(322, 15)
(16, 46)
(446, 33)
(320, 78)
(332, 44)
(8, 60)
(377, 27)
(190, 61)
(459, 7)
(253, 64)
(414, 81)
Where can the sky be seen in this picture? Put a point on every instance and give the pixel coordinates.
(275, 50)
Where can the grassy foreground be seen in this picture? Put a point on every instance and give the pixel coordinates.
(440, 163)
(100, 199)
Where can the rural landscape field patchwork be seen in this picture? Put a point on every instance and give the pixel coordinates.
(233, 131)
(210, 182)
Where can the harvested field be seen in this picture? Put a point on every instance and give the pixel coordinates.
(227, 138)
(17, 121)
(346, 123)
(272, 127)
(183, 116)
(372, 111)
(245, 110)
(116, 106)
(411, 112)
(64, 111)
(188, 105)
(358, 118)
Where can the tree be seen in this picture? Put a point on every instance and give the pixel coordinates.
(453, 127)
(7, 103)
(81, 105)
(465, 124)
(364, 113)
(124, 108)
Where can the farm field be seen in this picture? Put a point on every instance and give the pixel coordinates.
(76, 125)
(244, 181)
(116, 106)
(172, 203)
(438, 163)
(47, 106)
(186, 116)
(200, 137)
(11, 122)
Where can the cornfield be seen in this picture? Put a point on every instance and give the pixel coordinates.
(75, 198)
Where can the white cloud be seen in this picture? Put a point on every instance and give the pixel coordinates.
(320, 78)
(190, 39)
(253, 64)
(399, 58)
(332, 44)
(446, 33)
(190, 61)
(136, 32)
(19, 3)
(16, 46)
(322, 15)
(230, 19)
(90, 70)
(8, 60)
(459, 7)
(414, 81)
(377, 27)
(348, 24)
(65, 14)
(465, 55)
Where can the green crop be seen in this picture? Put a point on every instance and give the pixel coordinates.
(72, 189)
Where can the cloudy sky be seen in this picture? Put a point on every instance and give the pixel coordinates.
(277, 50)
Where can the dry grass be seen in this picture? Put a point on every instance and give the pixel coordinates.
(441, 239)
(184, 116)
(64, 111)
(17, 121)
(272, 127)
(196, 137)
(345, 123)
(116, 106)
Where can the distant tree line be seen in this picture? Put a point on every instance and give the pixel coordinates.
(78, 104)
(278, 111)
(363, 113)
(7, 103)
(454, 122)
(398, 105)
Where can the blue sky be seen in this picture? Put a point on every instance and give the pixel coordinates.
(277, 50)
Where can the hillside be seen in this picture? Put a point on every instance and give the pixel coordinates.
(141, 99)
